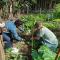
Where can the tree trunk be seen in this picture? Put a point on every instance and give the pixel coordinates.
(27, 9)
(11, 9)
(50, 5)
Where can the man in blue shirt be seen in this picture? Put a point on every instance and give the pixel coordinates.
(12, 33)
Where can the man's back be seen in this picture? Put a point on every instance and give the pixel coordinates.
(10, 25)
(12, 29)
(48, 35)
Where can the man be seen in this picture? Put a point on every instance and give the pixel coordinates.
(48, 36)
(12, 33)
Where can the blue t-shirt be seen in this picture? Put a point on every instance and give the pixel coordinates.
(12, 28)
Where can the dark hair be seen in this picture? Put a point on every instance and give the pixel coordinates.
(18, 22)
(36, 24)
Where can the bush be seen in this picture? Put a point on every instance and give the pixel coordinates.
(57, 11)
(29, 20)
(56, 20)
(51, 25)
(44, 53)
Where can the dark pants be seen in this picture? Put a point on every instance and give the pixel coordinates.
(7, 39)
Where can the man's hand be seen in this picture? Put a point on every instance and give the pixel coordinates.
(22, 39)
(35, 38)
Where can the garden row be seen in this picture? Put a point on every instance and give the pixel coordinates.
(30, 20)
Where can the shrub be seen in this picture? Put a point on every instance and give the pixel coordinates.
(56, 20)
(51, 25)
(57, 11)
(30, 20)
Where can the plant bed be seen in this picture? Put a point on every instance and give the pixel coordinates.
(23, 54)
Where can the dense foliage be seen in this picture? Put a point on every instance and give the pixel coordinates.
(57, 10)
(44, 53)
(30, 20)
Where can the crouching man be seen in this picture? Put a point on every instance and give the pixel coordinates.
(48, 36)
(11, 32)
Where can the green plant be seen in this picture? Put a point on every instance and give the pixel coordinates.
(44, 53)
(30, 20)
(51, 25)
(57, 11)
(56, 20)
(14, 56)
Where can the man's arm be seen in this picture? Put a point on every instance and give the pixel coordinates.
(12, 28)
(16, 36)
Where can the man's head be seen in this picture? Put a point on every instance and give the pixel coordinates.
(18, 22)
(38, 25)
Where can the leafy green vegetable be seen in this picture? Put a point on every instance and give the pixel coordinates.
(44, 53)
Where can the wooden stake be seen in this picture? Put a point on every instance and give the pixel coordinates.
(2, 54)
(57, 54)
